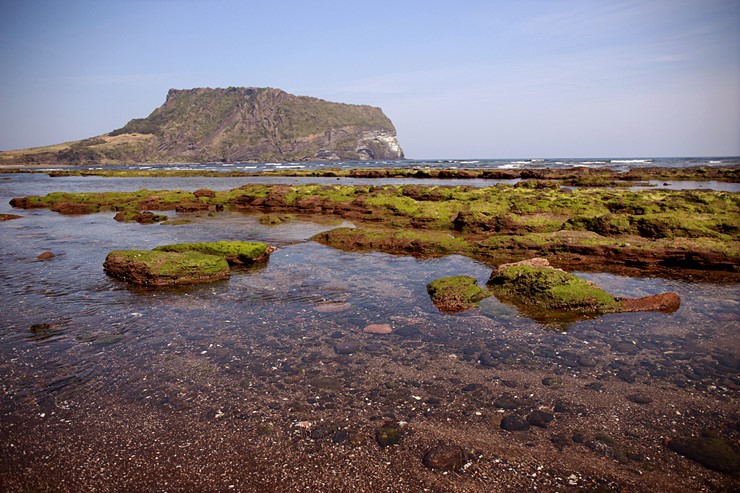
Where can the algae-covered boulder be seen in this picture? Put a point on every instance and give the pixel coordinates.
(235, 252)
(549, 294)
(535, 283)
(159, 268)
(708, 450)
(456, 293)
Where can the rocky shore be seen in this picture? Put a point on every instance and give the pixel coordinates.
(298, 378)
(681, 232)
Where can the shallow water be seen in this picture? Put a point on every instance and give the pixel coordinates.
(96, 317)
(195, 348)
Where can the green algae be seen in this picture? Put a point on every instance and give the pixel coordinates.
(157, 268)
(456, 293)
(530, 178)
(490, 222)
(234, 252)
(550, 289)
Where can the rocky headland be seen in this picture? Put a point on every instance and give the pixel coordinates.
(235, 124)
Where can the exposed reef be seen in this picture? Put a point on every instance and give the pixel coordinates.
(152, 268)
(532, 178)
(584, 228)
(185, 263)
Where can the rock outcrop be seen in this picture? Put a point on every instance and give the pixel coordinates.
(456, 293)
(539, 289)
(150, 268)
(235, 124)
(243, 253)
(184, 263)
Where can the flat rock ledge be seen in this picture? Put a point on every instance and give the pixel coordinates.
(242, 253)
(186, 263)
(541, 290)
(151, 268)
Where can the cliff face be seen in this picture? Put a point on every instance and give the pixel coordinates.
(234, 125)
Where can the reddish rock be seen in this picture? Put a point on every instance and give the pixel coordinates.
(8, 217)
(73, 208)
(664, 302)
(204, 192)
(197, 207)
(46, 256)
(378, 329)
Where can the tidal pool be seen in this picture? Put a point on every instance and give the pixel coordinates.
(244, 384)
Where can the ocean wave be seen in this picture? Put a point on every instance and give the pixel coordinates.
(631, 161)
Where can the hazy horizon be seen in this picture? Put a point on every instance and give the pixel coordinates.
(477, 80)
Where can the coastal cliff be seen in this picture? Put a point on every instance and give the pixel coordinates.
(235, 124)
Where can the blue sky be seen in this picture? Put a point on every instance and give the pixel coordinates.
(464, 79)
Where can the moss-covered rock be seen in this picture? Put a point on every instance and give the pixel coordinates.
(234, 252)
(145, 217)
(535, 283)
(709, 451)
(159, 268)
(456, 293)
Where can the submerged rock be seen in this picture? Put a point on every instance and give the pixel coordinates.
(381, 329)
(234, 252)
(8, 217)
(158, 268)
(388, 435)
(709, 451)
(46, 256)
(444, 457)
(456, 294)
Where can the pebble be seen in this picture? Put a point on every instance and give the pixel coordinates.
(514, 423)
(332, 307)
(378, 329)
(539, 418)
(347, 347)
(640, 398)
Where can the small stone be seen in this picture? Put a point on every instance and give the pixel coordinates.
(472, 387)
(327, 383)
(444, 457)
(709, 451)
(488, 359)
(387, 435)
(322, 430)
(340, 436)
(378, 329)
(506, 402)
(514, 423)
(640, 398)
(626, 376)
(539, 418)
(587, 361)
(552, 382)
(347, 347)
(46, 256)
(332, 307)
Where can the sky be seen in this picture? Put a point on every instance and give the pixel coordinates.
(460, 80)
